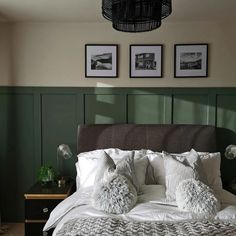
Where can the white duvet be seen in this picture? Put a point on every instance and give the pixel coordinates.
(151, 206)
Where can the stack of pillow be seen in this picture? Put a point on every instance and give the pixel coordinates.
(184, 175)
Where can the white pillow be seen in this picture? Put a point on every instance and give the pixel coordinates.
(177, 171)
(157, 163)
(211, 165)
(210, 162)
(86, 166)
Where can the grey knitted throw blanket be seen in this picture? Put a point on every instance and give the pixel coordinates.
(111, 226)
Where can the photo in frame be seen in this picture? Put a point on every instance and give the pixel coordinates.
(101, 60)
(146, 60)
(191, 60)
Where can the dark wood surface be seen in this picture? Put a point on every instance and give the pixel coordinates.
(51, 188)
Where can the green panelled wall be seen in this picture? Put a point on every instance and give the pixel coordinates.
(35, 120)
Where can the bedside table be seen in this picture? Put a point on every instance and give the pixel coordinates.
(40, 200)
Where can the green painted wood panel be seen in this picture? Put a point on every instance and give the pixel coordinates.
(105, 109)
(17, 169)
(190, 109)
(226, 121)
(59, 126)
(34, 120)
(226, 111)
(148, 109)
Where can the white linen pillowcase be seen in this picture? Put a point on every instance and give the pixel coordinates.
(156, 167)
(210, 162)
(86, 166)
(179, 170)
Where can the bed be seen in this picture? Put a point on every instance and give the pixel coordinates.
(152, 214)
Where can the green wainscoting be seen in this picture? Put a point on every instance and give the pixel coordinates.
(35, 120)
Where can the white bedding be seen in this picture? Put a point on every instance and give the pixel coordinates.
(151, 206)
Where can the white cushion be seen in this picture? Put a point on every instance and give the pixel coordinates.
(196, 197)
(157, 163)
(86, 166)
(114, 194)
(210, 162)
(177, 171)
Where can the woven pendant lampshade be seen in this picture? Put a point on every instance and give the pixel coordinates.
(136, 15)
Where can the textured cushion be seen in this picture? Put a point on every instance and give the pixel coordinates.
(114, 194)
(180, 169)
(87, 164)
(194, 196)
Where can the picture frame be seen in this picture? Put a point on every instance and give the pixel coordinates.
(146, 60)
(191, 60)
(101, 60)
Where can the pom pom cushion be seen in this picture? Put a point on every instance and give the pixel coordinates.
(115, 194)
(196, 197)
(115, 190)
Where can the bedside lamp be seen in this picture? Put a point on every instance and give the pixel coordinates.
(63, 152)
(230, 152)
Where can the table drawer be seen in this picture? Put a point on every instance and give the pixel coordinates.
(39, 209)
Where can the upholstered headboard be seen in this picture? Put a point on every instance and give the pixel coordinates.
(171, 138)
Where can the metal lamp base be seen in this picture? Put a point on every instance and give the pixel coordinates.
(61, 182)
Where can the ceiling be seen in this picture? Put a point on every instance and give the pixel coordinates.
(90, 10)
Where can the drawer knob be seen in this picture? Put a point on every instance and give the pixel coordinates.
(45, 233)
(45, 210)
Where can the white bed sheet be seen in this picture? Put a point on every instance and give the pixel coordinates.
(151, 206)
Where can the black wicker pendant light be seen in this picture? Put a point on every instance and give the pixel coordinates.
(136, 15)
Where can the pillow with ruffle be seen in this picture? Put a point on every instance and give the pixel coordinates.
(180, 168)
(115, 190)
(196, 197)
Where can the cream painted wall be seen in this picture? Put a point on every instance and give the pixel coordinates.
(52, 54)
(5, 54)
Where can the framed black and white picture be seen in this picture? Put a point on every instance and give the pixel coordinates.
(101, 60)
(146, 61)
(191, 60)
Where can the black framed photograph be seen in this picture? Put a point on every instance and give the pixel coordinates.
(191, 60)
(101, 60)
(146, 60)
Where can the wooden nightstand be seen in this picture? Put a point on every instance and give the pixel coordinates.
(39, 202)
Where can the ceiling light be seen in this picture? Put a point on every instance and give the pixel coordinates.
(136, 15)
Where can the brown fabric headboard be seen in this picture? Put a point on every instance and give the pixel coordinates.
(171, 138)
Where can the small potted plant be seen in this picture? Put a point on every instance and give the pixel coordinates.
(46, 175)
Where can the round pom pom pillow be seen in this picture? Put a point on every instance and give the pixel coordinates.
(196, 197)
(115, 194)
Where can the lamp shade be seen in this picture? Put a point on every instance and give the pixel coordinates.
(230, 152)
(136, 15)
(63, 152)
